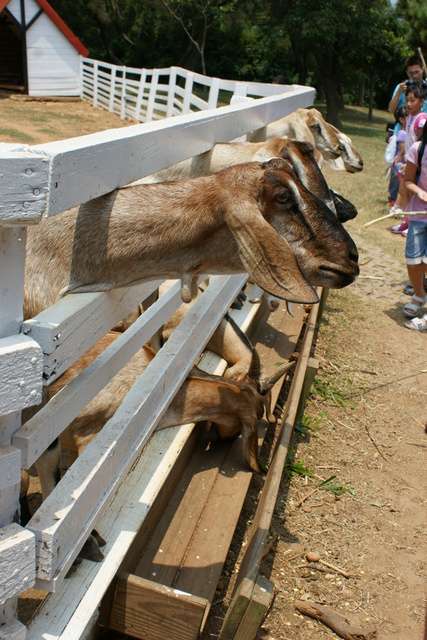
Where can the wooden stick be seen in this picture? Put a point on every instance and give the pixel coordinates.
(338, 623)
(390, 215)
(420, 53)
(338, 570)
(299, 503)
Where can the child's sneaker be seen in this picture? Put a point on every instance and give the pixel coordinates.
(390, 203)
(404, 233)
(400, 228)
(396, 208)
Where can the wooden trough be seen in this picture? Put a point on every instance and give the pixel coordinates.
(166, 585)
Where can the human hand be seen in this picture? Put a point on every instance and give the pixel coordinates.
(402, 87)
(422, 195)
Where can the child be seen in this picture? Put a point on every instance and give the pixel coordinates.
(416, 242)
(395, 175)
(415, 94)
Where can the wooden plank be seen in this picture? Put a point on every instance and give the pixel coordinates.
(310, 374)
(251, 561)
(258, 605)
(24, 186)
(206, 554)
(237, 609)
(162, 558)
(13, 630)
(17, 568)
(66, 518)
(39, 431)
(71, 608)
(152, 517)
(152, 611)
(21, 368)
(86, 167)
(67, 329)
(12, 264)
(10, 466)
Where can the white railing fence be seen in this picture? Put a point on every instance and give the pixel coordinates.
(153, 94)
(45, 180)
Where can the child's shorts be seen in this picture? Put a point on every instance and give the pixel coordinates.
(416, 242)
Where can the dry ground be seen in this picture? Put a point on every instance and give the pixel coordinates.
(364, 423)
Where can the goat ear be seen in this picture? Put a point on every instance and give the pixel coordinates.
(267, 256)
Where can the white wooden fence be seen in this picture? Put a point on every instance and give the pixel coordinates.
(153, 94)
(45, 180)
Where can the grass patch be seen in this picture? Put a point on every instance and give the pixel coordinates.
(293, 468)
(325, 389)
(19, 136)
(307, 425)
(336, 488)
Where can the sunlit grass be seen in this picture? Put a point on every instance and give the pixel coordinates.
(18, 136)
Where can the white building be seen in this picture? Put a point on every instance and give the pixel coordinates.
(39, 54)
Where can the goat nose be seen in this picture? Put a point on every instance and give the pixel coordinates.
(353, 254)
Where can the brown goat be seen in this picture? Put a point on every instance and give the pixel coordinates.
(306, 125)
(257, 217)
(234, 406)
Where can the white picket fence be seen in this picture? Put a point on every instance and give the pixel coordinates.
(111, 485)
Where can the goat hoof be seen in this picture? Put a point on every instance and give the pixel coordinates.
(99, 539)
(237, 304)
(91, 550)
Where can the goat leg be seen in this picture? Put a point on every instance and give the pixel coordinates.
(189, 287)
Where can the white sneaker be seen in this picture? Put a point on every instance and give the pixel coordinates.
(396, 208)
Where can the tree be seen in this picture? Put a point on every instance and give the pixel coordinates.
(338, 34)
(196, 17)
(414, 13)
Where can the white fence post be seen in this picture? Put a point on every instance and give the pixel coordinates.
(139, 99)
(123, 96)
(171, 93)
(112, 88)
(17, 546)
(152, 96)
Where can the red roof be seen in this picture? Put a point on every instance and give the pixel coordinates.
(59, 23)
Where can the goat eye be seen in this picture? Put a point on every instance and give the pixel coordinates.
(282, 197)
(315, 126)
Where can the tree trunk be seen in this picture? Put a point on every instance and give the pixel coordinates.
(300, 58)
(371, 95)
(329, 76)
(361, 98)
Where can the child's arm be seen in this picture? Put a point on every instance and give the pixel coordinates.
(401, 153)
(410, 184)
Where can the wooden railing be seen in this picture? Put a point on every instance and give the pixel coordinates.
(45, 180)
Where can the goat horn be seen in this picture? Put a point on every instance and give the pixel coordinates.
(268, 383)
(250, 446)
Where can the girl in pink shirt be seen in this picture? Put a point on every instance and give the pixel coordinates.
(416, 241)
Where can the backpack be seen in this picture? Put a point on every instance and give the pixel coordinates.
(389, 130)
(390, 152)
